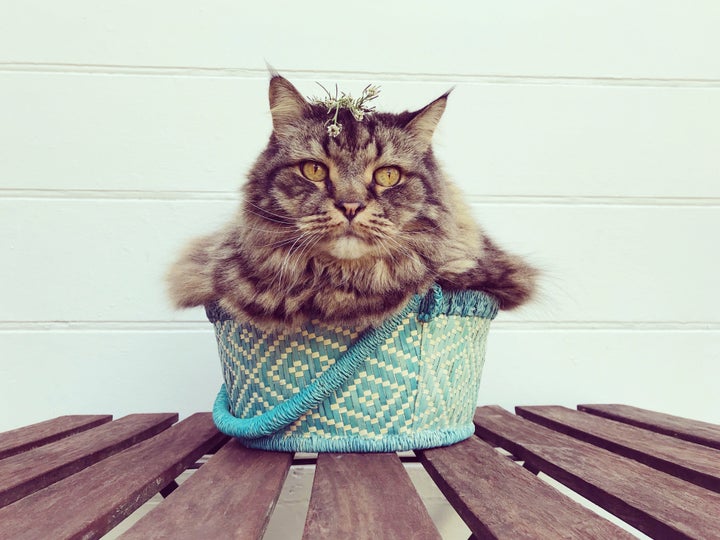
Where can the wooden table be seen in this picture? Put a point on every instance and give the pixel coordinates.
(79, 476)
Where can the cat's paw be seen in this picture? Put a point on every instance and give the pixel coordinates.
(514, 287)
(508, 278)
(189, 280)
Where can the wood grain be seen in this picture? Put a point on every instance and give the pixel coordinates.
(232, 495)
(484, 487)
(656, 503)
(88, 504)
(24, 438)
(27, 472)
(675, 426)
(365, 496)
(692, 462)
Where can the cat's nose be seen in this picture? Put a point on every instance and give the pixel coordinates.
(350, 209)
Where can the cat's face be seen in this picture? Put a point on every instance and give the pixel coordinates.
(372, 190)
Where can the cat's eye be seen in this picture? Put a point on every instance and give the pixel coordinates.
(313, 171)
(387, 176)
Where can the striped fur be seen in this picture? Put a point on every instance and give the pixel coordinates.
(294, 253)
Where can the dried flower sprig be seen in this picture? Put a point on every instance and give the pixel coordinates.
(357, 106)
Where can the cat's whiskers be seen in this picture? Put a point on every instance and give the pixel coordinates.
(279, 229)
(284, 242)
(423, 230)
(296, 250)
(320, 220)
(264, 213)
(396, 248)
(376, 230)
(302, 226)
(292, 238)
(270, 219)
(267, 211)
(284, 265)
(306, 247)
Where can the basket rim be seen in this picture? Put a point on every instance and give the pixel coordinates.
(436, 301)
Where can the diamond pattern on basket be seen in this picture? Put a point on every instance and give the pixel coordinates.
(424, 376)
(263, 368)
(411, 383)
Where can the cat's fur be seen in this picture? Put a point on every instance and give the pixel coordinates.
(345, 251)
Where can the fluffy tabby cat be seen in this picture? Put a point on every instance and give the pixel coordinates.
(344, 229)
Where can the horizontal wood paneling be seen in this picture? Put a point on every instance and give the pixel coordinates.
(104, 260)
(49, 373)
(556, 37)
(128, 133)
(148, 133)
(661, 370)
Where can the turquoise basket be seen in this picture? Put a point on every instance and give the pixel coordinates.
(411, 383)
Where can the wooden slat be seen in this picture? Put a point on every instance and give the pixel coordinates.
(88, 504)
(484, 487)
(675, 426)
(24, 438)
(29, 471)
(692, 462)
(230, 496)
(365, 496)
(656, 503)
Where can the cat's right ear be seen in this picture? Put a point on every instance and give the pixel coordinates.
(286, 103)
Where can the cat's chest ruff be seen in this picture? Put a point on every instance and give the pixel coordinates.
(350, 247)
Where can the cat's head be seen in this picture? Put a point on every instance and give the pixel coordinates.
(373, 189)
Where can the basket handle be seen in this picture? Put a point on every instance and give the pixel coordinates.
(288, 411)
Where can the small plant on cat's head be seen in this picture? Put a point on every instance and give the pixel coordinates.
(346, 214)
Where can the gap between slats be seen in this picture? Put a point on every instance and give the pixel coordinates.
(686, 460)
(365, 496)
(35, 469)
(28, 437)
(498, 499)
(94, 500)
(654, 502)
(675, 426)
(232, 494)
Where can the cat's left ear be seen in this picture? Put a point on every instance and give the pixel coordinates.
(425, 120)
(286, 103)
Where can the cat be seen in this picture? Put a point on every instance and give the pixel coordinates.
(344, 227)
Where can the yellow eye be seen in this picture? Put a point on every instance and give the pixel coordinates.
(387, 176)
(314, 171)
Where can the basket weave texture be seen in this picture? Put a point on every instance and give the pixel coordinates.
(411, 383)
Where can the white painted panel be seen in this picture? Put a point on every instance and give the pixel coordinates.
(122, 372)
(93, 132)
(130, 133)
(613, 38)
(48, 374)
(672, 371)
(588, 141)
(94, 259)
(615, 263)
(103, 260)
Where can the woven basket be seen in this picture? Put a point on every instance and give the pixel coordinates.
(411, 383)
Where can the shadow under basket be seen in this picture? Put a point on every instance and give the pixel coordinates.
(410, 383)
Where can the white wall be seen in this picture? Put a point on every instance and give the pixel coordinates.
(585, 134)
